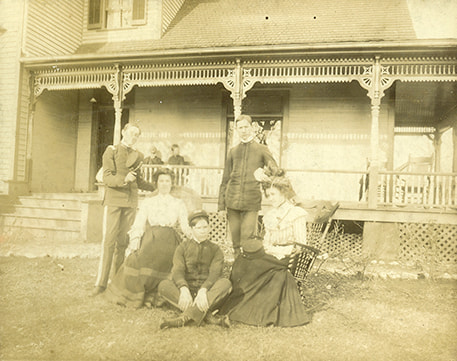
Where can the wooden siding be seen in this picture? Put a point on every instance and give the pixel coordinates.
(53, 27)
(10, 44)
(169, 10)
(329, 129)
(54, 142)
(190, 117)
(151, 30)
(22, 131)
(85, 150)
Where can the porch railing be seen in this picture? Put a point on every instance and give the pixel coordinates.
(203, 180)
(393, 188)
(430, 189)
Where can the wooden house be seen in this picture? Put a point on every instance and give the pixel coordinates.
(335, 87)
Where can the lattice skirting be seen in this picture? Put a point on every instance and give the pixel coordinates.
(428, 242)
(218, 225)
(343, 245)
(418, 242)
(337, 243)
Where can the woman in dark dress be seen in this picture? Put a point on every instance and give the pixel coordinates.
(264, 291)
(153, 240)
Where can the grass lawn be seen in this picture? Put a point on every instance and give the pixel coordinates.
(46, 314)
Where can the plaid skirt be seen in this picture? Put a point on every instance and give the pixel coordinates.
(144, 269)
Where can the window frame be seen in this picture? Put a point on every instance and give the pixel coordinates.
(142, 6)
(99, 21)
(90, 8)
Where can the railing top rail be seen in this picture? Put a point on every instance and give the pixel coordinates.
(336, 171)
(339, 171)
(172, 166)
(418, 173)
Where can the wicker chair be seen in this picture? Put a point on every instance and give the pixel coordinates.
(301, 263)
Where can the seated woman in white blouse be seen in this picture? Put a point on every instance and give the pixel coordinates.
(153, 240)
(285, 223)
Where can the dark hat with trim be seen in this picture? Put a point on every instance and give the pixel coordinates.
(134, 160)
(200, 213)
(252, 244)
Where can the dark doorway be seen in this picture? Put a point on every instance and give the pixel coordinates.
(266, 107)
(105, 132)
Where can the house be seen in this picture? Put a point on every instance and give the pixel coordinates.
(335, 86)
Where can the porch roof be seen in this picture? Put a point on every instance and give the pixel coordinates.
(241, 23)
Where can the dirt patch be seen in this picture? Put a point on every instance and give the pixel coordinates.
(47, 315)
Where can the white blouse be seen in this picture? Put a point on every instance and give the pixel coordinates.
(284, 226)
(160, 210)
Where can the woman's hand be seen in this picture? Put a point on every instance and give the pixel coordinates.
(185, 299)
(260, 176)
(134, 245)
(201, 300)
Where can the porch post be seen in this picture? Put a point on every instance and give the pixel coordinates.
(117, 121)
(375, 79)
(117, 98)
(237, 90)
(437, 146)
(454, 157)
(31, 118)
(373, 170)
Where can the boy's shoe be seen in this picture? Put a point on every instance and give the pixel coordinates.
(180, 321)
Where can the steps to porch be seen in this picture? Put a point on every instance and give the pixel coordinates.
(49, 215)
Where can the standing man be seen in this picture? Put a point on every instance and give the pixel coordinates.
(175, 158)
(239, 193)
(154, 156)
(122, 178)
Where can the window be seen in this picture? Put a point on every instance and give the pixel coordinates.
(139, 12)
(116, 14)
(95, 14)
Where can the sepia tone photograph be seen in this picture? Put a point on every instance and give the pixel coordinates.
(212, 180)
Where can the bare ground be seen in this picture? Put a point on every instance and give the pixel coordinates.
(46, 314)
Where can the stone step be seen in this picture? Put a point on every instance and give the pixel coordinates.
(63, 196)
(59, 224)
(31, 233)
(57, 203)
(38, 211)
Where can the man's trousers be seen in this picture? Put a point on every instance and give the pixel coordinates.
(116, 223)
(242, 224)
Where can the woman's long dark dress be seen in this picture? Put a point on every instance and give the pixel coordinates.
(264, 293)
(144, 269)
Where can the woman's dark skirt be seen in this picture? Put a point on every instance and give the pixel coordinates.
(264, 293)
(144, 269)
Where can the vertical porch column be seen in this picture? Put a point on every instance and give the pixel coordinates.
(437, 141)
(373, 170)
(238, 90)
(234, 84)
(454, 156)
(117, 121)
(238, 82)
(28, 165)
(117, 98)
(31, 118)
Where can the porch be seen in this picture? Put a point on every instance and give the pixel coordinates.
(397, 192)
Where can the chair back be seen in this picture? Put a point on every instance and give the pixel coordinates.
(303, 261)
